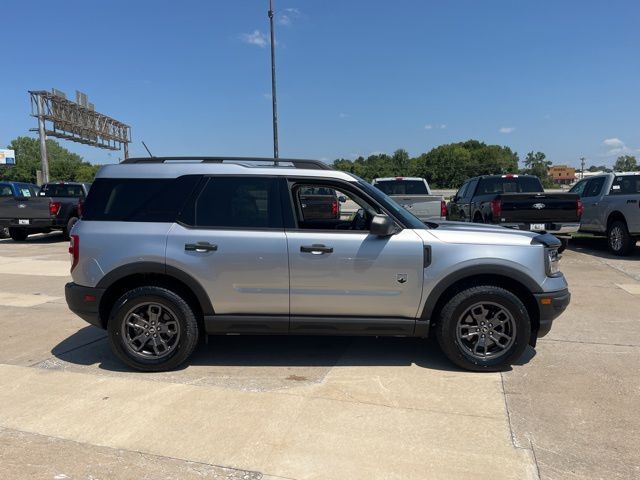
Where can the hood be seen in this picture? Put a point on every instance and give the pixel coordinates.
(477, 233)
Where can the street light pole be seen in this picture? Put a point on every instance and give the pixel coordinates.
(273, 85)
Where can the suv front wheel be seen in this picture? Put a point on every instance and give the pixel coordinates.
(484, 328)
(152, 329)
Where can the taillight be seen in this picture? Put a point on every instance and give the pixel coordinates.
(334, 208)
(443, 208)
(80, 209)
(54, 208)
(579, 208)
(496, 208)
(74, 250)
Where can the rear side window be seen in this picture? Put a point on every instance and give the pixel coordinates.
(626, 185)
(5, 190)
(498, 185)
(593, 187)
(236, 202)
(138, 199)
(402, 187)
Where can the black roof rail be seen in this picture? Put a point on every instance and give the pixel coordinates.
(297, 163)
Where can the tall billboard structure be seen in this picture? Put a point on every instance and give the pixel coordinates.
(76, 121)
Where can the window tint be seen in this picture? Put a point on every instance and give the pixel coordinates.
(463, 189)
(402, 187)
(5, 190)
(594, 186)
(626, 185)
(498, 185)
(138, 199)
(236, 202)
(62, 190)
(470, 189)
(579, 187)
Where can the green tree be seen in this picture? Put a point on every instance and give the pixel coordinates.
(63, 164)
(626, 163)
(538, 165)
(599, 168)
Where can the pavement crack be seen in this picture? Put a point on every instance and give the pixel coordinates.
(592, 343)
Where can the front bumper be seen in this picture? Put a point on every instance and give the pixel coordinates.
(555, 228)
(551, 305)
(84, 302)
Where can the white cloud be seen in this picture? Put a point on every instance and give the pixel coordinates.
(343, 115)
(256, 38)
(286, 16)
(507, 129)
(428, 126)
(617, 147)
(613, 142)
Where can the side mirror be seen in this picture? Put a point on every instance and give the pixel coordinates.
(382, 226)
(342, 199)
(455, 199)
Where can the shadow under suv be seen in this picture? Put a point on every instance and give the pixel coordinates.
(171, 249)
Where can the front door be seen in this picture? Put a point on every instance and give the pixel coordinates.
(344, 279)
(231, 240)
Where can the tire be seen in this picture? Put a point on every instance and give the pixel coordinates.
(18, 234)
(67, 230)
(618, 239)
(490, 304)
(564, 244)
(477, 218)
(4, 232)
(178, 329)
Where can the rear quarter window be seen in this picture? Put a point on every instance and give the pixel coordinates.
(138, 199)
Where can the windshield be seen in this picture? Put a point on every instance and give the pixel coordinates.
(387, 202)
(62, 190)
(402, 187)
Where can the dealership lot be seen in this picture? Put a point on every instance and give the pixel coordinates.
(302, 407)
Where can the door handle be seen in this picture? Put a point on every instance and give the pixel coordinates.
(200, 247)
(316, 249)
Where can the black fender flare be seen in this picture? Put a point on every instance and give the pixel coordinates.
(141, 268)
(473, 271)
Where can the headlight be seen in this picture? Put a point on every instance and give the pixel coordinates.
(552, 262)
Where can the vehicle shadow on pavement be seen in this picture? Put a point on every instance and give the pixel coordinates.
(597, 246)
(89, 347)
(46, 238)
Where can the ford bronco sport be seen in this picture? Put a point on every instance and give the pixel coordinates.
(171, 249)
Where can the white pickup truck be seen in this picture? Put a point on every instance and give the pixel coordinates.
(414, 194)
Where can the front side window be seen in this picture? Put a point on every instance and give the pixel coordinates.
(626, 185)
(236, 202)
(468, 194)
(5, 190)
(461, 193)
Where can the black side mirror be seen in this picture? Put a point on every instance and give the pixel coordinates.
(455, 199)
(382, 226)
(342, 199)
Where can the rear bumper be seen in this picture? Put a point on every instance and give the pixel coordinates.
(34, 223)
(551, 305)
(555, 228)
(84, 302)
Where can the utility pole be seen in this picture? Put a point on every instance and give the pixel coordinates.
(582, 166)
(273, 85)
(43, 141)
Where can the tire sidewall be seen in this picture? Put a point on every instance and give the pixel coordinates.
(463, 301)
(626, 238)
(168, 299)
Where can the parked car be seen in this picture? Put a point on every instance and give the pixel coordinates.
(169, 250)
(319, 203)
(516, 201)
(611, 207)
(13, 190)
(414, 194)
(56, 207)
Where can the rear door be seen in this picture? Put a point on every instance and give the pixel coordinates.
(230, 238)
(345, 280)
(625, 193)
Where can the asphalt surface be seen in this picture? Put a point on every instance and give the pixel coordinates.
(318, 408)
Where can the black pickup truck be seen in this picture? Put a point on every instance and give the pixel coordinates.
(56, 207)
(516, 201)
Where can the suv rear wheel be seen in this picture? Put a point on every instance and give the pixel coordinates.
(484, 328)
(152, 329)
(619, 240)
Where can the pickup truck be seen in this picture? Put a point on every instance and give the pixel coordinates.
(56, 207)
(611, 207)
(516, 201)
(319, 203)
(414, 194)
(11, 190)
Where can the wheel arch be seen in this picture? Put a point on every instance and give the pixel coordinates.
(615, 216)
(130, 276)
(511, 280)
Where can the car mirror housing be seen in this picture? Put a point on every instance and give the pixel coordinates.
(382, 226)
(342, 199)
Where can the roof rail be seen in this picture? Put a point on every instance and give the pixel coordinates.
(297, 163)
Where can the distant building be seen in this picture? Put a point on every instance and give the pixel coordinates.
(562, 174)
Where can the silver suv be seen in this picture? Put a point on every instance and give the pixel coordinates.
(171, 249)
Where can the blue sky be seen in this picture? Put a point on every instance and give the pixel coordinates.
(354, 77)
